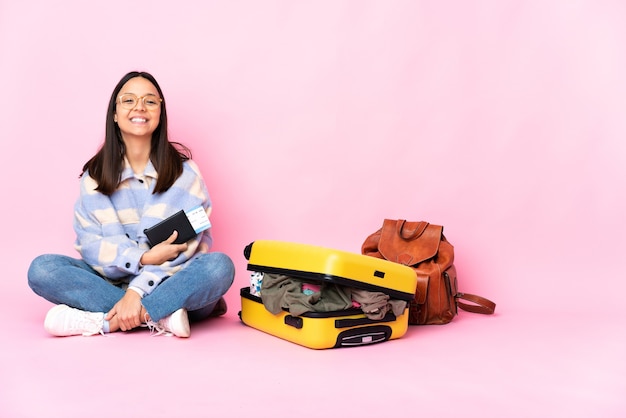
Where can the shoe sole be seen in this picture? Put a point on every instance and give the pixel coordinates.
(49, 320)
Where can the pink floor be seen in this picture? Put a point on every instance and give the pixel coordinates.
(513, 364)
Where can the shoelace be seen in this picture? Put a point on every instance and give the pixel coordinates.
(87, 322)
(156, 328)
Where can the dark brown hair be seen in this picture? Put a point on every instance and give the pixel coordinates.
(167, 157)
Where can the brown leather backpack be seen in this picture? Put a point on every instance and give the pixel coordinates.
(423, 247)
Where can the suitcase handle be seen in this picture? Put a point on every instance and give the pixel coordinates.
(347, 323)
(363, 336)
(294, 321)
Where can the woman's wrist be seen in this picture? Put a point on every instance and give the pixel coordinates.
(137, 290)
(143, 260)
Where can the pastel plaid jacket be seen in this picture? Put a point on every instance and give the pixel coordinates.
(109, 229)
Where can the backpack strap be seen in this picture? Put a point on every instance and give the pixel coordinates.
(479, 304)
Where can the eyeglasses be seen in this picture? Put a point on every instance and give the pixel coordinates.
(129, 101)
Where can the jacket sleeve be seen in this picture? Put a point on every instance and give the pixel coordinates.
(100, 236)
(188, 191)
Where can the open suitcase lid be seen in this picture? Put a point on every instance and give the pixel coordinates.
(321, 264)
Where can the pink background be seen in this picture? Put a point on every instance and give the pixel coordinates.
(313, 121)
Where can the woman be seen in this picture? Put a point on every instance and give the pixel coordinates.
(136, 179)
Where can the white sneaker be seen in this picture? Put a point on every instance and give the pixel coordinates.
(175, 324)
(64, 321)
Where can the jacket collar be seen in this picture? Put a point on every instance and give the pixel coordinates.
(127, 173)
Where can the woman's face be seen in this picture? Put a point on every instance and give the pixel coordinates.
(138, 109)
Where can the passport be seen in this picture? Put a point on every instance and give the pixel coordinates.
(188, 224)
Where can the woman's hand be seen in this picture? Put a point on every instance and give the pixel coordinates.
(163, 251)
(127, 311)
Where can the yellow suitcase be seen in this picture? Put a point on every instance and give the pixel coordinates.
(321, 330)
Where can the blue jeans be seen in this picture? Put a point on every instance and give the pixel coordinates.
(197, 287)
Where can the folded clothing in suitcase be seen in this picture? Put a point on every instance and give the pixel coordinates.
(319, 330)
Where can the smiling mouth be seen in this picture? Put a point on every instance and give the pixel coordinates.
(138, 120)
